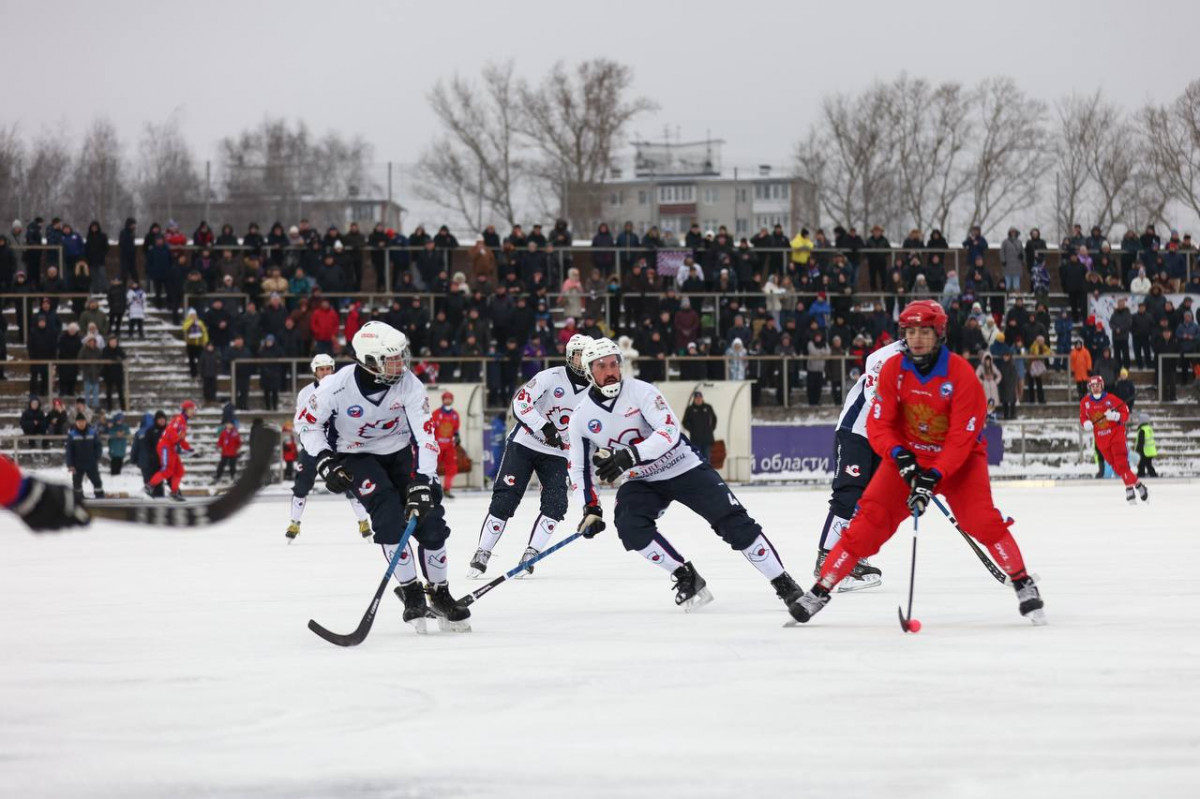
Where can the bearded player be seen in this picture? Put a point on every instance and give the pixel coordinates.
(926, 424)
(1104, 416)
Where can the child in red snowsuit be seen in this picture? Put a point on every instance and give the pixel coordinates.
(926, 424)
(445, 430)
(173, 441)
(1104, 415)
(230, 445)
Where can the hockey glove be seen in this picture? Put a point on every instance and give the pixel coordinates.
(592, 521)
(1087, 425)
(420, 502)
(552, 436)
(611, 465)
(1112, 416)
(906, 462)
(922, 491)
(338, 479)
(49, 506)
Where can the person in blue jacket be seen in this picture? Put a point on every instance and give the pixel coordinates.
(83, 457)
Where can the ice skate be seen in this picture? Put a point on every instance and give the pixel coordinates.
(1130, 495)
(364, 528)
(1031, 604)
(478, 564)
(99, 494)
(416, 611)
(451, 617)
(448, 495)
(177, 496)
(1143, 492)
(786, 588)
(149, 490)
(691, 592)
(293, 530)
(807, 606)
(530, 552)
(863, 575)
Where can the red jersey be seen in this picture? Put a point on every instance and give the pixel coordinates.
(289, 450)
(230, 443)
(175, 435)
(1093, 409)
(10, 482)
(445, 425)
(939, 416)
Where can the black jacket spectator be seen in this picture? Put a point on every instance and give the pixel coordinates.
(700, 421)
(83, 449)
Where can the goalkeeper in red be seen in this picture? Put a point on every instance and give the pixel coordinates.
(926, 424)
(1104, 416)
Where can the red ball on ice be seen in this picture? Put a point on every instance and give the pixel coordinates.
(914, 625)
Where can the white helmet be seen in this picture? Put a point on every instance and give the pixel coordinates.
(382, 350)
(577, 345)
(596, 350)
(322, 361)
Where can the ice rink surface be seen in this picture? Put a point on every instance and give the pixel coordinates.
(141, 662)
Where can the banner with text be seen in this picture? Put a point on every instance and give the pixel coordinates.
(787, 449)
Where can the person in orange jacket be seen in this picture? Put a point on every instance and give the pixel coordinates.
(1081, 367)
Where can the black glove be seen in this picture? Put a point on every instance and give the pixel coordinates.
(550, 433)
(420, 502)
(906, 462)
(922, 491)
(611, 465)
(338, 479)
(457, 440)
(592, 521)
(50, 506)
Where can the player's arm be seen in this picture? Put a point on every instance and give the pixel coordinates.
(315, 440)
(968, 414)
(1118, 412)
(666, 432)
(420, 422)
(583, 479)
(42, 505)
(524, 407)
(884, 420)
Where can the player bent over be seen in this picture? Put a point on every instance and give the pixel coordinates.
(1104, 415)
(855, 462)
(380, 446)
(624, 428)
(306, 467)
(927, 424)
(543, 409)
(170, 445)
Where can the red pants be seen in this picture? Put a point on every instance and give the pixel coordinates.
(448, 462)
(171, 470)
(1114, 450)
(883, 508)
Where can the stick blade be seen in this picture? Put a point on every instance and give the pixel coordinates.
(903, 621)
(337, 639)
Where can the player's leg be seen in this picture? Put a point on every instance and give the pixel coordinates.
(93, 474)
(512, 478)
(855, 462)
(552, 474)
(306, 477)
(360, 513)
(639, 505)
(1116, 452)
(175, 476)
(449, 459)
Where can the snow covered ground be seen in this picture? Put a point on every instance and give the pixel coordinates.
(148, 663)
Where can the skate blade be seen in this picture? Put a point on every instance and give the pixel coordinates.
(474, 574)
(523, 575)
(419, 626)
(702, 598)
(447, 626)
(1037, 618)
(859, 584)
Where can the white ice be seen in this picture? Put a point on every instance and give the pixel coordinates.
(142, 662)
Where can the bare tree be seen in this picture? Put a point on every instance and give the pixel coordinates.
(12, 168)
(475, 168)
(166, 169)
(1075, 140)
(1010, 160)
(575, 121)
(1173, 139)
(97, 188)
(47, 167)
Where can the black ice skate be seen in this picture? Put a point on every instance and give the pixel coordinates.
(1130, 495)
(863, 575)
(478, 564)
(691, 592)
(807, 606)
(786, 588)
(177, 496)
(1143, 492)
(1031, 604)
(530, 552)
(416, 611)
(451, 617)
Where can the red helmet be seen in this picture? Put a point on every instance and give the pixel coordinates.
(924, 313)
(1095, 385)
(447, 398)
(187, 405)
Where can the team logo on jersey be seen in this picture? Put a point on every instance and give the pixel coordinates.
(758, 554)
(659, 402)
(558, 392)
(300, 466)
(366, 487)
(946, 390)
(312, 402)
(509, 480)
(354, 411)
(594, 426)
(853, 470)
(495, 527)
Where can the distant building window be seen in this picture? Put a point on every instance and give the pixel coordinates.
(712, 196)
(742, 226)
(783, 190)
(676, 194)
(743, 195)
(643, 197)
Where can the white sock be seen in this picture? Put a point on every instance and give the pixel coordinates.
(837, 526)
(406, 567)
(763, 556)
(298, 504)
(359, 510)
(434, 564)
(543, 531)
(657, 554)
(493, 528)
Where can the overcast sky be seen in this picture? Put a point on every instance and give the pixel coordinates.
(750, 72)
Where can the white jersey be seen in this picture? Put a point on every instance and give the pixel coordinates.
(638, 419)
(862, 393)
(302, 401)
(385, 422)
(550, 396)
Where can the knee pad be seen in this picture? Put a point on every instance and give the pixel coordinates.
(432, 531)
(635, 531)
(504, 504)
(554, 502)
(738, 529)
(844, 501)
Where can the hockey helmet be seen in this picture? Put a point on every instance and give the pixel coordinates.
(597, 350)
(321, 361)
(382, 350)
(924, 313)
(186, 406)
(447, 398)
(577, 344)
(1095, 385)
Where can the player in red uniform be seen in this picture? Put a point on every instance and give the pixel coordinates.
(1104, 415)
(173, 441)
(445, 430)
(42, 505)
(927, 424)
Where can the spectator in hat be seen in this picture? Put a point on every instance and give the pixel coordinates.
(700, 421)
(83, 457)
